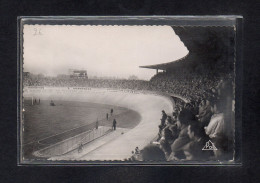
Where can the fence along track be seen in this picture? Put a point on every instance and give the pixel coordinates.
(72, 143)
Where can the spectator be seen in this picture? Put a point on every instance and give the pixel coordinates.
(162, 125)
(216, 126)
(198, 139)
(205, 113)
(169, 135)
(164, 117)
(219, 131)
(137, 151)
(184, 119)
(152, 153)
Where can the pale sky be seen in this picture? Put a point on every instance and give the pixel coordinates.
(114, 51)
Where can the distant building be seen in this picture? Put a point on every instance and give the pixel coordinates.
(78, 73)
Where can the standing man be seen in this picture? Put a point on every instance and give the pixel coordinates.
(111, 112)
(162, 125)
(114, 124)
(80, 148)
(164, 117)
(107, 116)
(97, 124)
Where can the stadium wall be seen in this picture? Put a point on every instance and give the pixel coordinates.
(148, 104)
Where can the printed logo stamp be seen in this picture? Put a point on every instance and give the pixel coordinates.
(209, 146)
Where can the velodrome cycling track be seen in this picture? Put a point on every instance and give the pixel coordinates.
(148, 104)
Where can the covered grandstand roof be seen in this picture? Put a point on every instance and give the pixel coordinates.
(163, 66)
(215, 47)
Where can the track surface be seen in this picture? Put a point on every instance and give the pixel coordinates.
(46, 125)
(148, 105)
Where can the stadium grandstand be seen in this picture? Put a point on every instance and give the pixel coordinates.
(206, 78)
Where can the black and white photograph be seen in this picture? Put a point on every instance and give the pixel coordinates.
(128, 93)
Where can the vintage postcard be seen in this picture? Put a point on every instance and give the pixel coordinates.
(127, 93)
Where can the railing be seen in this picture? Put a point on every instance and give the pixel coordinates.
(72, 143)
